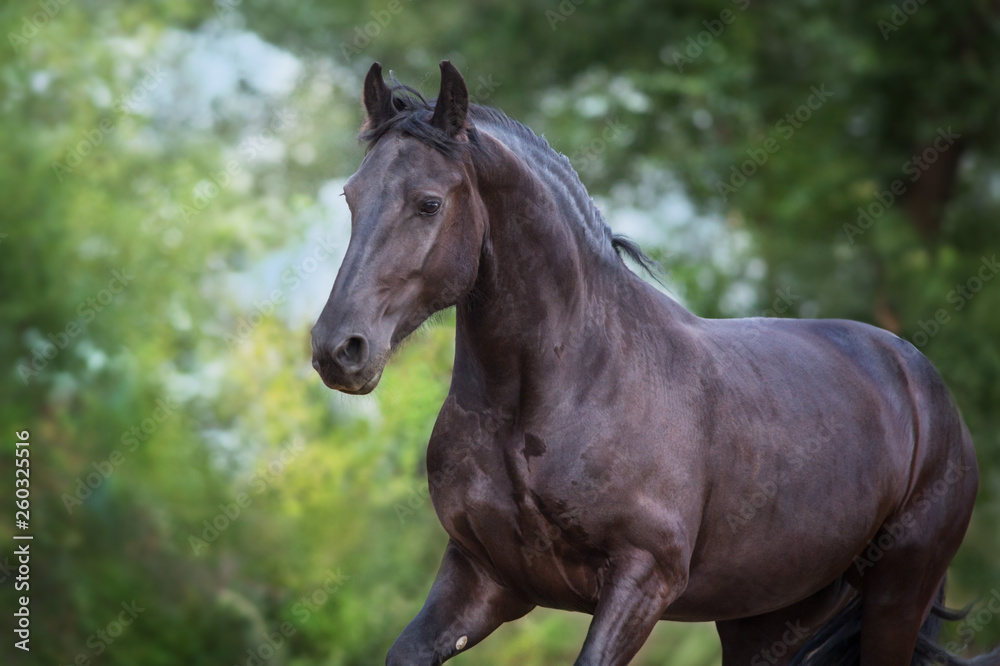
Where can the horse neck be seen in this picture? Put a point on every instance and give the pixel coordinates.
(542, 287)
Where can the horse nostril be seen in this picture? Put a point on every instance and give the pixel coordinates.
(352, 352)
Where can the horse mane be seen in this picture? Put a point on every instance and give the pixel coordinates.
(412, 117)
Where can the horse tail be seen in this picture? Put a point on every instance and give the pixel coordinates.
(838, 642)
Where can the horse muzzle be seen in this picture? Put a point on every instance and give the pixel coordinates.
(346, 363)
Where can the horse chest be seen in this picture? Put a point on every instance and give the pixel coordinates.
(485, 488)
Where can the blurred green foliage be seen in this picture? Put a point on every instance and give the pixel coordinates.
(184, 455)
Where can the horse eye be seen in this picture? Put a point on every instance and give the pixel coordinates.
(430, 207)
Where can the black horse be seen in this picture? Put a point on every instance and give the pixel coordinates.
(804, 484)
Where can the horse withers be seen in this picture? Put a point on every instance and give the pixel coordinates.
(604, 450)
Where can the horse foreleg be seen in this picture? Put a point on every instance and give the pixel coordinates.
(634, 595)
(464, 607)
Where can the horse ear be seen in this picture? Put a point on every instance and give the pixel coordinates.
(377, 98)
(452, 102)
